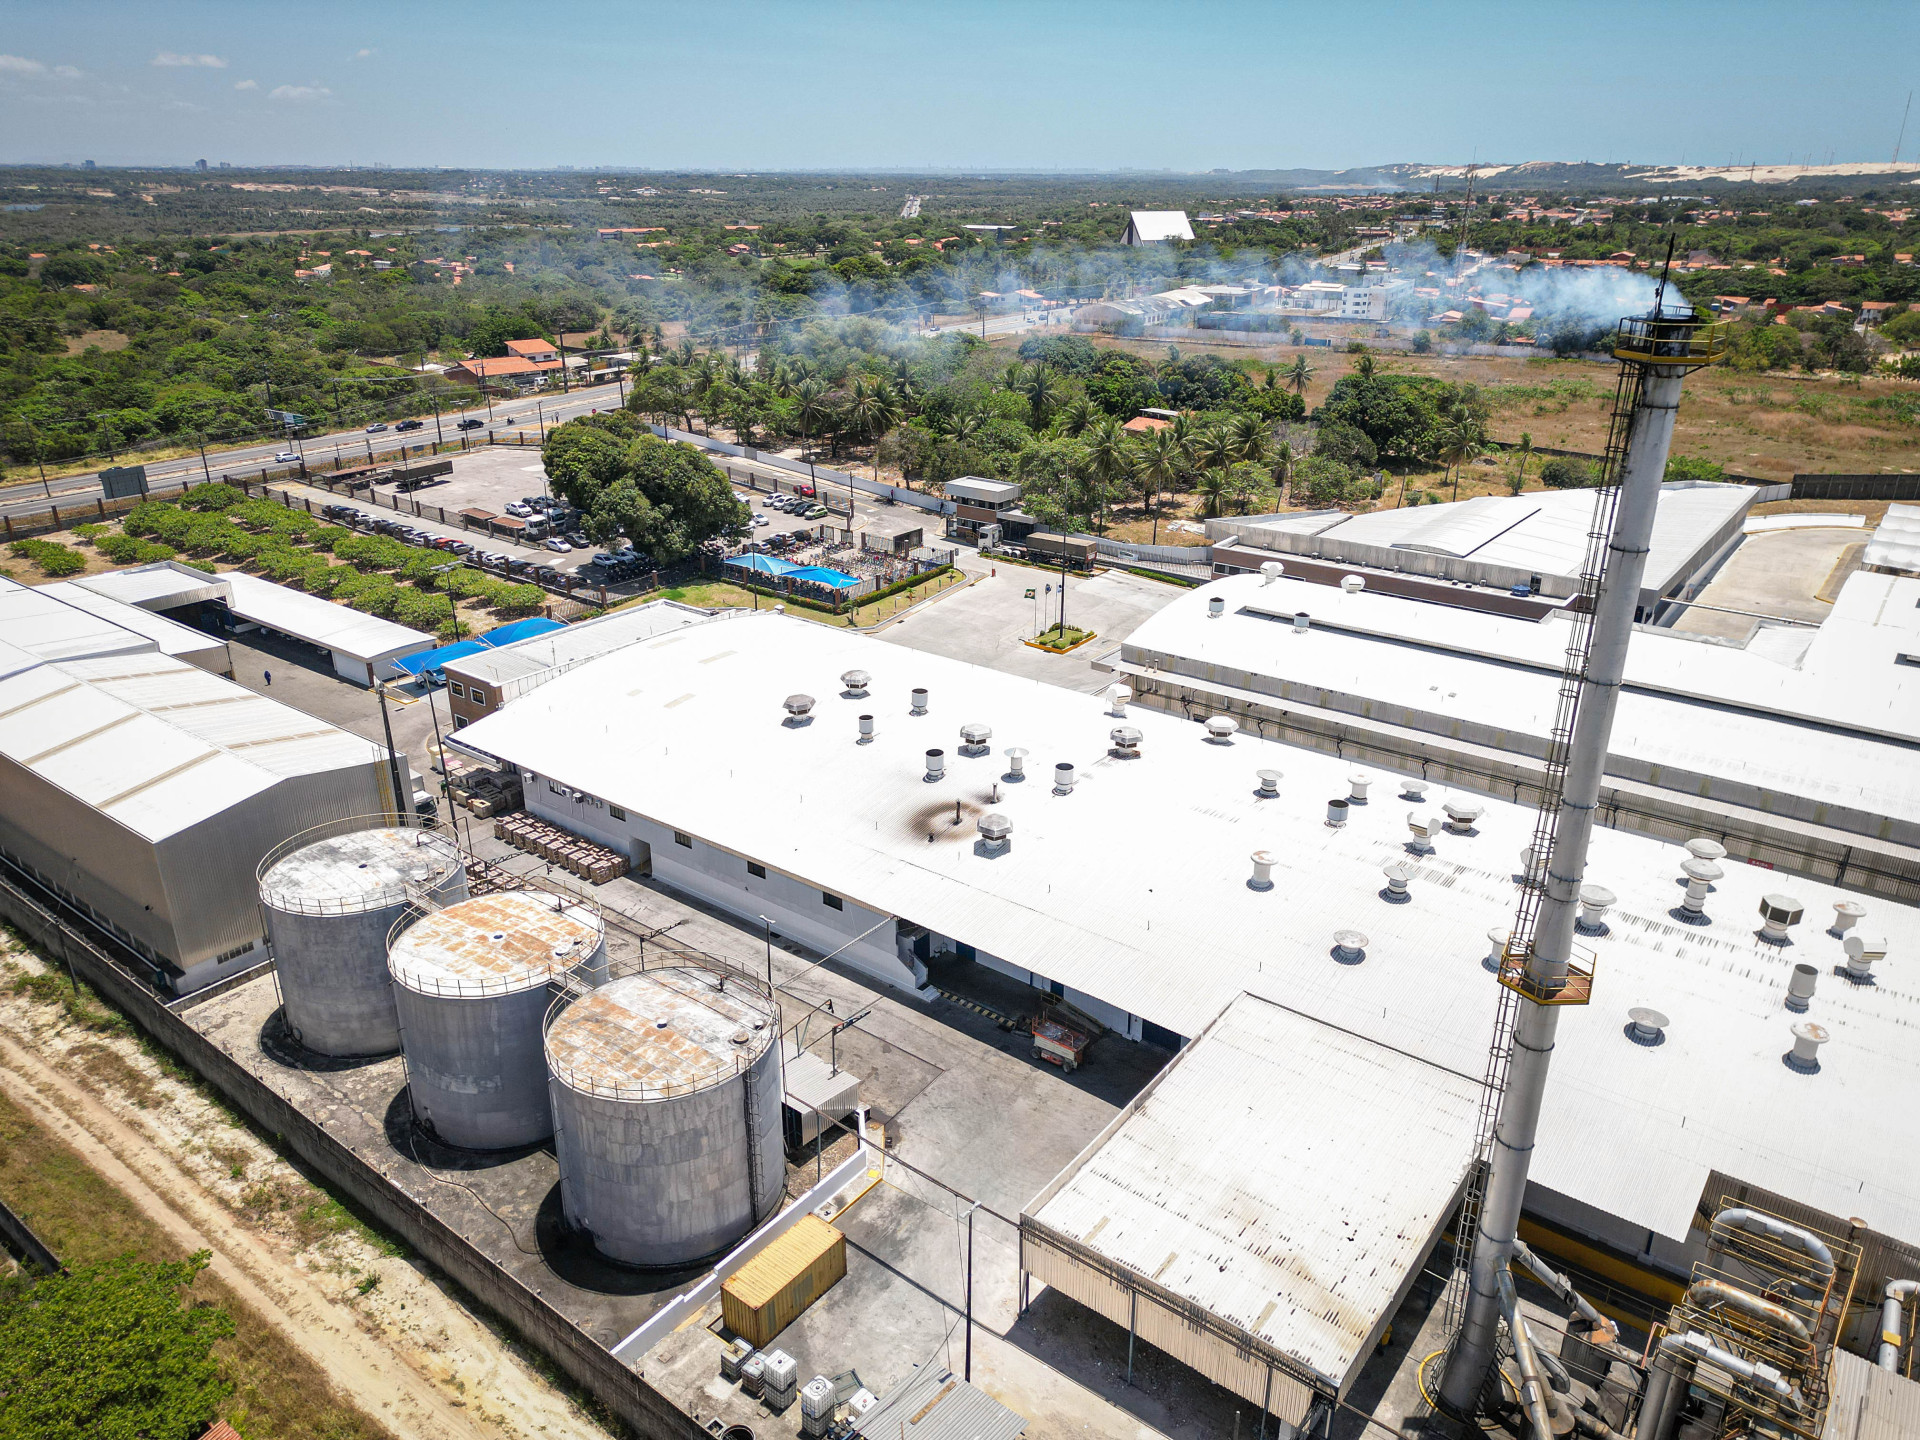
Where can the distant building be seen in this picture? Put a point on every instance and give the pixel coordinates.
(1156, 227)
(200, 165)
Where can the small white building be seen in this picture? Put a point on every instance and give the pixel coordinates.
(1156, 227)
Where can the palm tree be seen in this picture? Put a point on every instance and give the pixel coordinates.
(1108, 456)
(1252, 441)
(1159, 465)
(1298, 374)
(1214, 488)
(1080, 414)
(1013, 378)
(1282, 468)
(1523, 452)
(1042, 392)
(1212, 450)
(814, 409)
(1364, 367)
(1461, 443)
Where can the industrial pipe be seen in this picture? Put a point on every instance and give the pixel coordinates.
(1535, 1396)
(1706, 1294)
(1892, 1313)
(1563, 1287)
(1760, 1223)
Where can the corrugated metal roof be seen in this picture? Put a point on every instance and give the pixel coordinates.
(163, 585)
(1282, 1174)
(1868, 1403)
(319, 622)
(1896, 541)
(37, 620)
(1134, 890)
(158, 744)
(559, 650)
(169, 637)
(935, 1404)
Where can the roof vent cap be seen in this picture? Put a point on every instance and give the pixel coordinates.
(1336, 813)
(1414, 790)
(1461, 814)
(1646, 1026)
(1863, 951)
(1846, 915)
(1222, 728)
(1595, 901)
(1016, 765)
(1216, 607)
(1497, 942)
(936, 765)
(1424, 828)
(1808, 1037)
(1262, 870)
(1800, 987)
(866, 729)
(1357, 784)
(1700, 875)
(1269, 783)
(854, 683)
(974, 738)
(1398, 874)
(1270, 571)
(919, 706)
(797, 707)
(1063, 777)
(1349, 946)
(1777, 913)
(1126, 742)
(1701, 848)
(1353, 584)
(1301, 622)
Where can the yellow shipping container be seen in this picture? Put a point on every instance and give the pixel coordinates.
(767, 1294)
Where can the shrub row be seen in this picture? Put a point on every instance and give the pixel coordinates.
(50, 557)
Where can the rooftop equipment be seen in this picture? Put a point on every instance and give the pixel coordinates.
(1300, 622)
(472, 984)
(1269, 783)
(854, 684)
(1349, 946)
(1424, 828)
(1846, 915)
(1701, 848)
(1863, 952)
(1063, 778)
(1126, 742)
(666, 1091)
(866, 730)
(919, 706)
(1541, 971)
(1270, 571)
(1016, 766)
(1222, 728)
(1216, 607)
(1336, 813)
(973, 739)
(1646, 1026)
(1595, 901)
(1414, 790)
(1700, 875)
(1461, 814)
(995, 833)
(1121, 697)
(1800, 986)
(1262, 871)
(1357, 784)
(936, 765)
(1398, 874)
(331, 896)
(1777, 913)
(798, 708)
(1353, 584)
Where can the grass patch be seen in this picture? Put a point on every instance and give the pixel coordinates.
(1061, 639)
(278, 1393)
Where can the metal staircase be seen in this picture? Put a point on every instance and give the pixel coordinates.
(1513, 961)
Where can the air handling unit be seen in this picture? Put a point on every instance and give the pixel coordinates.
(472, 984)
(666, 1101)
(331, 896)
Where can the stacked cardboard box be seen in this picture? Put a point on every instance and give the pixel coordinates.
(593, 863)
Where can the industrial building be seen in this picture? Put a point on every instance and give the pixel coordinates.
(144, 790)
(1895, 546)
(1796, 751)
(480, 682)
(67, 621)
(729, 764)
(361, 648)
(1533, 543)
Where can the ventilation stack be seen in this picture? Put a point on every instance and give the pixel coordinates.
(331, 896)
(1539, 972)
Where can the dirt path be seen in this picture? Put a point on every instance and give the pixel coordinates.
(383, 1380)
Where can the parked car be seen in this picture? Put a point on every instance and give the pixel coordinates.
(376, 427)
(771, 502)
(803, 489)
(546, 575)
(286, 457)
(556, 543)
(536, 502)
(471, 424)
(520, 508)
(818, 512)
(462, 549)
(578, 539)
(410, 425)
(761, 520)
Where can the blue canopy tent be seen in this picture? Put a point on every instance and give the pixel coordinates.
(521, 630)
(821, 575)
(426, 663)
(766, 564)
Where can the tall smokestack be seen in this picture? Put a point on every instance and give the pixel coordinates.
(1656, 353)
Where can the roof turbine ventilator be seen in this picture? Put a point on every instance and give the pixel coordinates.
(1126, 742)
(1808, 1037)
(854, 684)
(1461, 815)
(1777, 914)
(1221, 729)
(1398, 874)
(1263, 863)
(799, 710)
(1646, 1026)
(1269, 784)
(995, 834)
(973, 739)
(1349, 946)
(1016, 766)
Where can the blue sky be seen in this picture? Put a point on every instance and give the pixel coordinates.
(1106, 84)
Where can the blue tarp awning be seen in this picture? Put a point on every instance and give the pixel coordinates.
(821, 575)
(766, 564)
(521, 630)
(424, 660)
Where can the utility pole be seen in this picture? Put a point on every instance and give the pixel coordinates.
(439, 435)
(402, 800)
(203, 459)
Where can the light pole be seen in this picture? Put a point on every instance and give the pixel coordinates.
(393, 757)
(769, 924)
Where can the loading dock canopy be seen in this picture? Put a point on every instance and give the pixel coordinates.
(1283, 1177)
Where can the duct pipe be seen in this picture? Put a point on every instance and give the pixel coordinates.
(1649, 437)
(1535, 1397)
(1760, 1223)
(1707, 1294)
(1667, 1377)
(1563, 1287)
(1892, 1314)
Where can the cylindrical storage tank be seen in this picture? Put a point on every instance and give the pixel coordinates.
(331, 896)
(471, 986)
(666, 1108)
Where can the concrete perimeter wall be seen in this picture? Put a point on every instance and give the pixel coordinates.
(587, 1361)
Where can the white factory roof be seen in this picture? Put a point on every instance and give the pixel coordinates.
(319, 622)
(163, 585)
(1896, 541)
(972, 487)
(1285, 1175)
(1160, 225)
(1543, 533)
(1837, 726)
(169, 637)
(37, 620)
(559, 650)
(1133, 890)
(158, 745)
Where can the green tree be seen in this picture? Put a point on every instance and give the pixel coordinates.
(1107, 458)
(1522, 453)
(1299, 373)
(1158, 465)
(1461, 443)
(116, 1351)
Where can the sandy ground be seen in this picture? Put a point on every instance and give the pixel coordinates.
(381, 1326)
